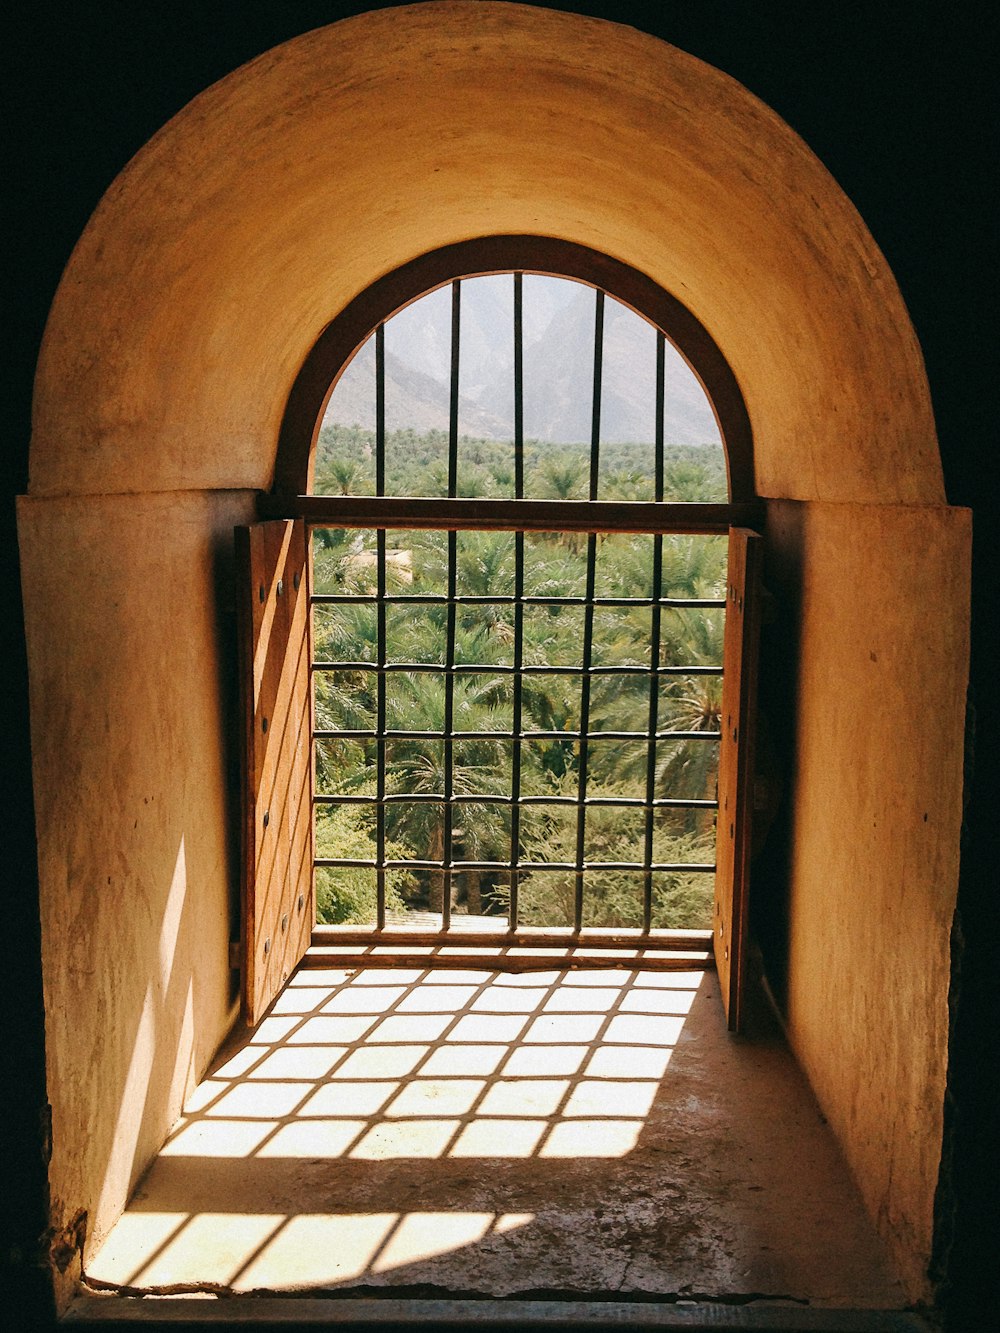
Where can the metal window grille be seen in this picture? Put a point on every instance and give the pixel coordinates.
(522, 517)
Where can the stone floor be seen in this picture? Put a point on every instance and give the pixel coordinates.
(490, 1134)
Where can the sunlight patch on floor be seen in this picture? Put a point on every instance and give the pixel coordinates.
(591, 1130)
(386, 1065)
(442, 1064)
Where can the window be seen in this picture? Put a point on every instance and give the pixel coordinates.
(516, 710)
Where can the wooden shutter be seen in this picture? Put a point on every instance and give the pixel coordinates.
(736, 758)
(276, 899)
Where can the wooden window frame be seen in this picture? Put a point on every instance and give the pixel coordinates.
(291, 500)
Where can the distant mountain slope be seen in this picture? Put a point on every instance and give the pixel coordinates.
(413, 400)
(558, 369)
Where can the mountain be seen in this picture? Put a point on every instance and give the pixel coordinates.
(558, 320)
(413, 399)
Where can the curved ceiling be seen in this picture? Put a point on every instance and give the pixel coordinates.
(275, 197)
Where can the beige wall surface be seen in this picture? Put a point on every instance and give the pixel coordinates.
(247, 223)
(876, 810)
(130, 640)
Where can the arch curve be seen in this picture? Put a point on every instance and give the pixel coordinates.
(342, 337)
(278, 195)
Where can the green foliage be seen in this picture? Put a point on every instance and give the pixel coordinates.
(346, 896)
(613, 898)
(414, 702)
(417, 465)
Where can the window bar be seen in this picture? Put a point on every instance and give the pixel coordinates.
(503, 599)
(517, 720)
(654, 648)
(595, 419)
(425, 863)
(475, 798)
(508, 515)
(456, 327)
(449, 680)
(492, 669)
(588, 614)
(391, 734)
(380, 410)
(380, 684)
(518, 387)
(661, 344)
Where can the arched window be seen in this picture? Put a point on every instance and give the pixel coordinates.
(485, 636)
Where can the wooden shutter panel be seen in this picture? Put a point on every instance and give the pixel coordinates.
(736, 758)
(276, 898)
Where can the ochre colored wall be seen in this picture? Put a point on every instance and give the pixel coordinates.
(189, 304)
(878, 600)
(237, 233)
(128, 613)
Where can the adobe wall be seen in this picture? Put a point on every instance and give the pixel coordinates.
(877, 600)
(128, 603)
(192, 298)
(275, 197)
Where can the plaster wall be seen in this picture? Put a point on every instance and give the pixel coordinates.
(876, 797)
(275, 197)
(128, 607)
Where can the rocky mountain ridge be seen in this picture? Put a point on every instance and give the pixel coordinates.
(558, 362)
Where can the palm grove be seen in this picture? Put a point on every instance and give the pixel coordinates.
(486, 700)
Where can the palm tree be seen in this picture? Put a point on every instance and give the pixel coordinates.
(415, 766)
(562, 478)
(345, 473)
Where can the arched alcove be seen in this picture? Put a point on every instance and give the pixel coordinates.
(288, 188)
(190, 303)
